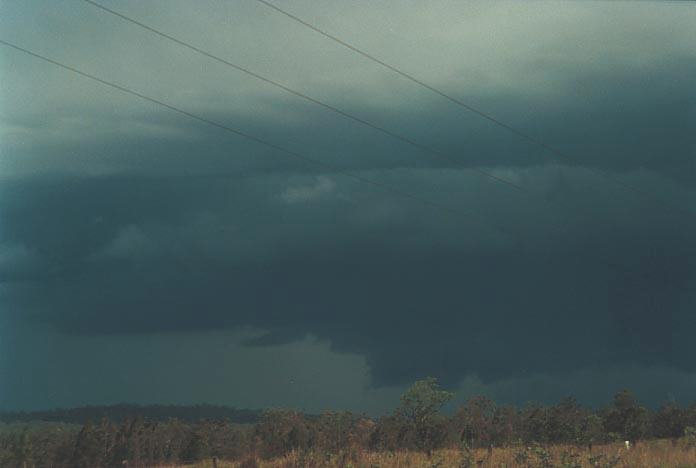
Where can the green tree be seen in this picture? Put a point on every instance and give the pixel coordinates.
(87, 451)
(420, 410)
(565, 421)
(282, 431)
(534, 423)
(335, 431)
(197, 448)
(506, 425)
(668, 422)
(592, 431)
(627, 417)
(474, 421)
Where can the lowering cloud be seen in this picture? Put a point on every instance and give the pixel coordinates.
(121, 221)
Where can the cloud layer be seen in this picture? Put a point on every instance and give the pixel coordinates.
(120, 219)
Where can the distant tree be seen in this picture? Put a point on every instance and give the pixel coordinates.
(505, 427)
(227, 440)
(118, 413)
(127, 441)
(474, 421)
(197, 448)
(668, 422)
(534, 423)
(565, 421)
(390, 434)
(335, 431)
(627, 418)
(591, 431)
(420, 410)
(282, 431)
(337, 437)
(87, 453)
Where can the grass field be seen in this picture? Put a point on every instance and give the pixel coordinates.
(653, 454)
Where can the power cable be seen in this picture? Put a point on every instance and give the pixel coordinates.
(478, 216)
(521, 134)
(306, 97)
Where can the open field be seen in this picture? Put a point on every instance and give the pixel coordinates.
(653, 454)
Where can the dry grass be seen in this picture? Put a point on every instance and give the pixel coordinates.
(653, 454)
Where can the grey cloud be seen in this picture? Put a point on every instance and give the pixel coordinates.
(397, 287)
(18, 262)
(125, 222)
(129, 241)
(635, 92)
(298, 194)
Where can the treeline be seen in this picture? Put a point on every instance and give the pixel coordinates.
(123, 411)
(417, 424)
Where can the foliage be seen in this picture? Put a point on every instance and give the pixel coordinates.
(420, 412)
(668, 421)
(472, 432)
(592, 431)
(627, 417)
(474, 421)
(281, 431)
(690, 437)
(120, 412)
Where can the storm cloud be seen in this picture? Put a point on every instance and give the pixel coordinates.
(123, 221)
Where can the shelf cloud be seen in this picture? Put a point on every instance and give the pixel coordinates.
(121, 221)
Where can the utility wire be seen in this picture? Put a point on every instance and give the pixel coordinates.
(521, 134)
(478, 216)
(386, 188)
(332, 108)
(563, 229)
(299, 94)
(455, 161)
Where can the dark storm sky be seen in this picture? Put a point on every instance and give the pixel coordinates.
(147, 257)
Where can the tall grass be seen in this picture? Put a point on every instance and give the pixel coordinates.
(652, 454)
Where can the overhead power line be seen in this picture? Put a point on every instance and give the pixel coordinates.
(306, 97)
(493, 177)
(477, 216)
(521, 134)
